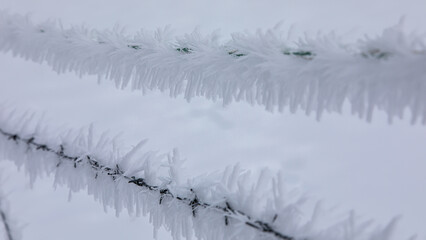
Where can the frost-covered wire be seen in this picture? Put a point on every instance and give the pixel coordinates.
(227, 205)
(5, 221)
(314, 75)
(7, 228)
(164, 192)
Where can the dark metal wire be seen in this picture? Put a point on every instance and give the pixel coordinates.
(6, 225)
(115, 172)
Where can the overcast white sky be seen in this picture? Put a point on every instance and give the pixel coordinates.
(374, 168)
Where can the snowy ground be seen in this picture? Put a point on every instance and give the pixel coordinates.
(373, 168)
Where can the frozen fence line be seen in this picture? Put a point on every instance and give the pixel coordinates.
(164, 192)
(314, 75)
(222, 206)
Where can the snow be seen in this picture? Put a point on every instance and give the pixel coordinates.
(325, 159)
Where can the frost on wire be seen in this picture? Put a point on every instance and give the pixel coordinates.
(7, 227)
(315, 75)
(232, 204)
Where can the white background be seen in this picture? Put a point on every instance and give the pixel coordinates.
(375, 168)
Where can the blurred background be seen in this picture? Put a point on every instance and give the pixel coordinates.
(374, 168)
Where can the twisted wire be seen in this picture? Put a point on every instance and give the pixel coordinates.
(6, 224)
(116, 172)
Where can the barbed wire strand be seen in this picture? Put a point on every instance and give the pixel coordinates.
(115, 172)
(5, 223)
(316, 75)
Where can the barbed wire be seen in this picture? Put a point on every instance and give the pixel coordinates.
(116, 172)
(316, 75)
(6, 224)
